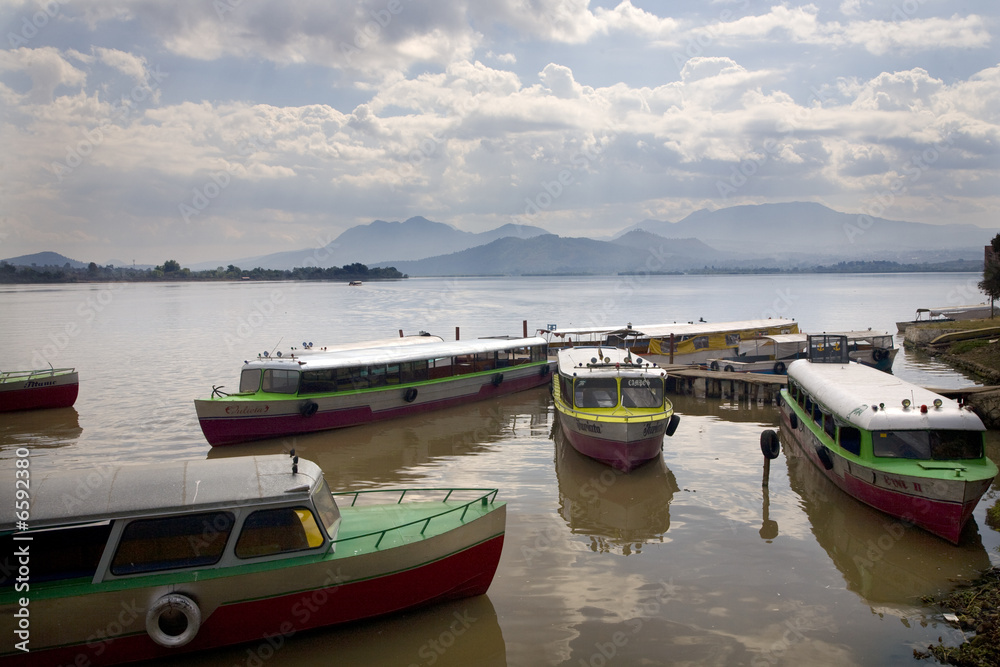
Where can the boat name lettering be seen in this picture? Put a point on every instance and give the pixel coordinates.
(654, 428)
(247, 409)
(637, 382)
(589, 427)
(31, 384)
(895, 482)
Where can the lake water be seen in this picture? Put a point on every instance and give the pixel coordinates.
(688, 560)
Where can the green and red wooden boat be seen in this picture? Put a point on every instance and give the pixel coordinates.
(897, 447)
(317, 390)
(129, 563)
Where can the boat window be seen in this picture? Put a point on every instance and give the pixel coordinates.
(392, 374)
(642, 392)
(329, 513)
(151, 545)
(318, 382)
(377, 376)
(280, 381)
(828, 425)
(540, 353)
(595, 393)
(566, 388)
(62, 553)
(928, 445)
(250, 380)
(700, 342)
(413, 371)
(276, 531)
(732, 339)
(850, 439)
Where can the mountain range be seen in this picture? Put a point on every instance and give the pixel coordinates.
(787, 235)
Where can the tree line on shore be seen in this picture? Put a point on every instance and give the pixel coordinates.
(171, 270)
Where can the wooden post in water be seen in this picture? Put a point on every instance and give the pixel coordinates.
(400, 333)
(456, 333)
(767, 471)
(671, 348)
(524, 327)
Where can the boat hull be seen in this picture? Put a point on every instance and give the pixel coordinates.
(271, 604)
(226, 422)
(39, 391)
(941, 507)
(621, 445)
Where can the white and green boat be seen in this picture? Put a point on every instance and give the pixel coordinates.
(317, 391)
(129, 563)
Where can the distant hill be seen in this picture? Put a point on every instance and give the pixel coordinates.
(807, 230)
(378, 241)
(45, 259)
(555, 255)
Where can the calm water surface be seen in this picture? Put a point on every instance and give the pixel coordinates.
(688, 560)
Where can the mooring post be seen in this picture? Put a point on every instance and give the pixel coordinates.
(671, 348)
(456, 333)
(400, 333)
(524, 326)
(767, 471)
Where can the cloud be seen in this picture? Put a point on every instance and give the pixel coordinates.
(47, 69)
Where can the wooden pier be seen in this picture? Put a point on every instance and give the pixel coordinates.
(691, 381)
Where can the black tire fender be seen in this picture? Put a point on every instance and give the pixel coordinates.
(672, 424)
(769, 444)
(410, 395)
(729, 368)
(779, 368)
(497, 379)
(309, 408)
(714, 366)
(793, 420)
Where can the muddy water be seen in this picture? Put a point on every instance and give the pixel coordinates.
(688, 560)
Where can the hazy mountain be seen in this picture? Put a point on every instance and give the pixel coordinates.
(551, 254)
(805, 229)
(40, 259)
(378, 241)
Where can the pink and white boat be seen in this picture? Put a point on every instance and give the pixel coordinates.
(32, 390)
(612, 405)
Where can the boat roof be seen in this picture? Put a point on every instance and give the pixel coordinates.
(60, 498)
(850, 390)
(420, 339)
(946, 310)
(677, 328)
(574, 360)
(393, 353)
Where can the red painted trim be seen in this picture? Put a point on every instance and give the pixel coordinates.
(57, 396)
(463, 574)
(624, 456)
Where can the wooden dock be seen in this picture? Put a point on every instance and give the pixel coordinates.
(690, 381)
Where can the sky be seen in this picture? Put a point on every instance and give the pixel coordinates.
(211, 130)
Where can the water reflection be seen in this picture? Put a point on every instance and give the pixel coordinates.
(458, 633)
(389, 453)
(881, 558)
(57, 427)
(618, 511)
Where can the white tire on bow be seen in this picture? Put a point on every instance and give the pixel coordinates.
(173, 620)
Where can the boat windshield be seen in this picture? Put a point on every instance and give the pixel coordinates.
(280, 381)
(249, 381)
(642, 392)
(595, 393)
(928, 445)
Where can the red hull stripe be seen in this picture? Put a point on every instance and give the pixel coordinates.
(624, 456)
(463, 574)
(232, 430)
(58, 396)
